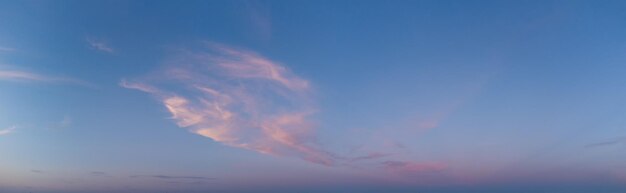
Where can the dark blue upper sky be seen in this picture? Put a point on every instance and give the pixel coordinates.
(317, 96)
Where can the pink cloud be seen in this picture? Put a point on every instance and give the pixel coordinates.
(238, 98)
(242, 99)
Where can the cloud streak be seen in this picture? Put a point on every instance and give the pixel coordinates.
(6, 49)
(238, 98)
(7, 131)
(621, 140)
(98, 174)
(167, 177)
(413, 167)
(15, 75)
(100, 45)
(370, 156)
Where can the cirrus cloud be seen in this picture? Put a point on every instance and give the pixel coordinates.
(6, 49)
(8, 130)
(239, 98)
(242, 99)
(24, 76)
(99, 45)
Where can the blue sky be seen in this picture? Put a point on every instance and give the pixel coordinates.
(317, 96)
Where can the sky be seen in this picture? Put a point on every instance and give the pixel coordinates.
(312, 96)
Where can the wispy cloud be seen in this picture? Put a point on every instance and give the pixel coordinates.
(6, 49)
(242, 99)
(7, 131)
(370, 156)
(239, 98)
(259, 18)
(64, 123)
(413, 167)
(99, 45)
(470, 91)
(98, 174)
(15, 75)
(187, 183)
(621, 140)
(167, 177)
(37, 171)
